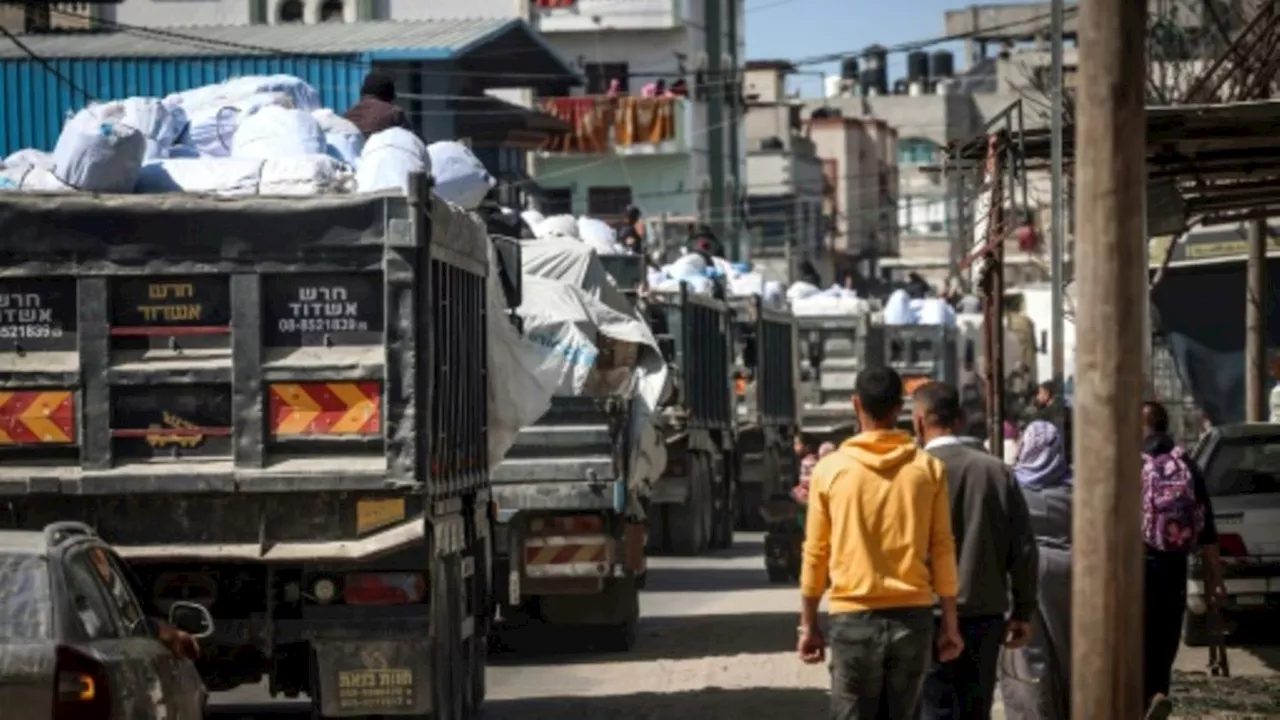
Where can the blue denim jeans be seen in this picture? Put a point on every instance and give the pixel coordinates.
(878, 662)
(965, 687)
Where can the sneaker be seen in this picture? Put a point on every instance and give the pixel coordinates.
(1160, 708)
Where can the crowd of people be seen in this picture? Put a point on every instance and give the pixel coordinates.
(947, 570)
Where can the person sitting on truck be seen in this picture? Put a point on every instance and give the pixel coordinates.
(376, 110)
(631, 232)
(879, 527)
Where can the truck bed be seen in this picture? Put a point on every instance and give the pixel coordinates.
(240, 372)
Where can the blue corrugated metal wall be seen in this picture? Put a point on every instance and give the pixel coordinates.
(34, 102)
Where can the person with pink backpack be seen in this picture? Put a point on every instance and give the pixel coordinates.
(1177, 520)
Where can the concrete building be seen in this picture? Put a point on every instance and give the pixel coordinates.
(679, 156)
(785, 180)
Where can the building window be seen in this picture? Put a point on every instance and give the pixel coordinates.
(259, 13)
(917, 151)
(331, 11)
(291, 11)
(601, 75)
(923, 216)
(556, 201)
(608, 202)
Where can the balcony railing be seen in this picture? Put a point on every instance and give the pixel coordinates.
(621, 125)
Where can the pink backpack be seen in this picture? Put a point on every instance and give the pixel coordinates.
(1172, 517)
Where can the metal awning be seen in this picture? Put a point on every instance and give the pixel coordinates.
(1223, 160)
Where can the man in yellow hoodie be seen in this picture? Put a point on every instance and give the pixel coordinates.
(879, 528)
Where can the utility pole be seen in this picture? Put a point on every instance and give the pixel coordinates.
(1107, 555)
(1255, 323)
(1058, 214)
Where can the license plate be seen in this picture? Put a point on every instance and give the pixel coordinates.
(375, 691)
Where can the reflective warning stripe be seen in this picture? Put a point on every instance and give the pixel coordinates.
(319, 409)
(37, 417)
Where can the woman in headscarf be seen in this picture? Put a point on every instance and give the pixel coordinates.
(1035, 679)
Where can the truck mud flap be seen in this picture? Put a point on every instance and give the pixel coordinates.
(380, 677)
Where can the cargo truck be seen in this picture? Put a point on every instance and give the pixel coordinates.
(273, 407)
(766, 381)
(570, 537)
(692, 506)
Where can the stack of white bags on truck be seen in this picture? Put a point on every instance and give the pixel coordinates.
(261, 135)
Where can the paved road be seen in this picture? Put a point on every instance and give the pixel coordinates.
(716, 641)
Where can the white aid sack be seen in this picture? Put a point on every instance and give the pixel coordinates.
(532, 218)
(343, 139)
(215, 176)
(29, 158)
(295, 90)
(566, 225)
(597, 235)
(157, 123)
(460, 176)
(29, 178)
(97, 152)
(306, 175)
(800, 290)
(389, 158)
(211, 128)
(276, 132)
(774, 296)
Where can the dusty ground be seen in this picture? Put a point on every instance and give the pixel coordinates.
(718, 642)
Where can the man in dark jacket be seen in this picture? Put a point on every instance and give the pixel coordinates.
(995, 553)
(376, 111)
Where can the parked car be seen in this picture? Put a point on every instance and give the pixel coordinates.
(76, 644)
(1241, 466)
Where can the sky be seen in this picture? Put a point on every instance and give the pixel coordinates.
(791, 29)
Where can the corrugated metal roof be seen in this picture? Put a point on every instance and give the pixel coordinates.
(416, 40)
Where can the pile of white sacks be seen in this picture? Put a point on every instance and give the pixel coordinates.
(260, 135)
(740, 279)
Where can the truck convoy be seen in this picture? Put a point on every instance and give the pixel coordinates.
(275, 407)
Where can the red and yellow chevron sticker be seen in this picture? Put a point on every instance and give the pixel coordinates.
(325, 409)
(37, 417)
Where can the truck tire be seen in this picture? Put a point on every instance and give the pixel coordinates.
(726, 514)
(620, 636)
(688, 527)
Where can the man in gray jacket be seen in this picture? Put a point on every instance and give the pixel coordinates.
(995, 552)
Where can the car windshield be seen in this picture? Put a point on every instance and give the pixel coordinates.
(24, 597)
(1244, 466)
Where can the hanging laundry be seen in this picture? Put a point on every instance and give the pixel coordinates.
(645, 121)
(590, 118)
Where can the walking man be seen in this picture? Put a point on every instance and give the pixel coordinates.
(879, 528)
(997, 559)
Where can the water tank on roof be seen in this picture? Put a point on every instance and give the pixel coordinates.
(875, 70)
(849, 68)
(917, 66)
(943, 64)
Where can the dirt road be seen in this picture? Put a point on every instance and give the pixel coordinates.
(716, 641)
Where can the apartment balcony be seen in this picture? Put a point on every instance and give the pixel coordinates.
(621, 125)
(552, 16)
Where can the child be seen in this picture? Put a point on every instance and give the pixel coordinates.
(804, 452)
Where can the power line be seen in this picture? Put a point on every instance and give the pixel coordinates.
(44, 63)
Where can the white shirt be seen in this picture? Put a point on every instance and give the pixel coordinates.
(942, 441)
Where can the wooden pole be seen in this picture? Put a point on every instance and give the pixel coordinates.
(1255, 323)
(1107, 563)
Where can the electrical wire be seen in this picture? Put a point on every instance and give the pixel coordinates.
(45, 63)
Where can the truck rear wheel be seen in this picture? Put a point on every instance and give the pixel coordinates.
(689, 523)
(726, 510)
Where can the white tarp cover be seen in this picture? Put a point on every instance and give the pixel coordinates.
(570, 300)
(460, 176)
(305, 175)
(277, 132)
(98, 152)
(522, 375)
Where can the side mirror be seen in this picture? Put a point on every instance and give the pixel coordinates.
(191, 618)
